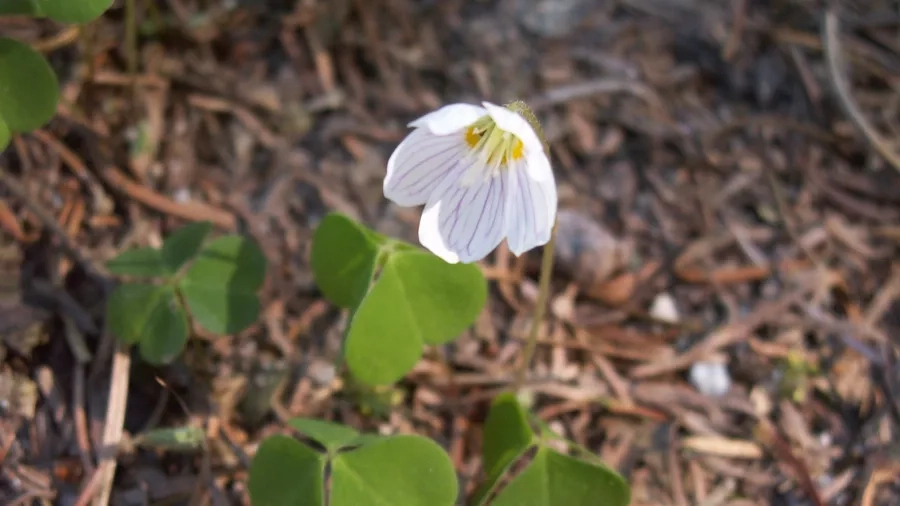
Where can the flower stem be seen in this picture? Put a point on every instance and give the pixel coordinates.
(546, 261)
(540, 308)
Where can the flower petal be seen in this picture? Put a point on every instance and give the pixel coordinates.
(430, 234)
(465, 223)
(450, 118)
(530, 210)
(538, 167)
(514, 123)
(418, 164)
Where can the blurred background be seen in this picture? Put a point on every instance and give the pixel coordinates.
(724, 323)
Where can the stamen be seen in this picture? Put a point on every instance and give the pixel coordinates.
(496, 147)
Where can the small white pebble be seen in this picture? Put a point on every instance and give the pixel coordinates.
(182, 195)
(664, 309)
(710, 378)
(321, 372)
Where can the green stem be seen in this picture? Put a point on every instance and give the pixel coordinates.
(543, 295)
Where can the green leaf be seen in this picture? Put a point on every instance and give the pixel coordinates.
(18, 7)
(285, 472)
(177, 249)
(174, 438)
(507, 433)
(418, 299)
(139, 262)
(151, 316)
(383, 343)
(444, 299)
(507, 436)
(64, 11)
(221, 284)
(166, 342)
(134, 310)
(364, 439)
(553, 478)
(5, 135)
(29, 89)
(183, 244)
(393, 471)
(332, 436)
(343, 259)
(378, 239)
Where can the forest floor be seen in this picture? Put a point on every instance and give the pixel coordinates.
(724, 325)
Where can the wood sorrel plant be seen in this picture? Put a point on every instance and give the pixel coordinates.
(483, 174)
(214, 281)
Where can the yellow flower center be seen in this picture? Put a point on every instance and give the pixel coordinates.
(499, 147)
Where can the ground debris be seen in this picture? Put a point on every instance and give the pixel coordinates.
(724, 311)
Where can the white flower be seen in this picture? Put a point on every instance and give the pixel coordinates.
(483, 176)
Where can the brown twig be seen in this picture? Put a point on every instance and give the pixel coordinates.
(768, 434)
(67, 36)
(9, 223)
(781, 207)
(82, 438)
(19, 191)
(675, 475)
(571, 92)
(834, 58)
(879, 477)
(113, 425)
(194, 211)
(721, 337)
(91, 485)
(739, 17)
